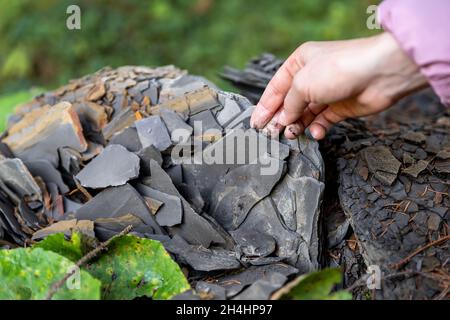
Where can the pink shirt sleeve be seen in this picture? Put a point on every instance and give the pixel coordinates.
(422, 28)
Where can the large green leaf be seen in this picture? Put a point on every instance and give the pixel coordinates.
(315, 286)
(29, 274)
(131, 267)
(135, 267)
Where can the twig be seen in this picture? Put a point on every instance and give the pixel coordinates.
(404, 261)
(90, 255)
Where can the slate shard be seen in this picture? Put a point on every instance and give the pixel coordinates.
(201, 258)
(381, 163)
(15, 176)
(153, 132)
(128, 138)
(194, 229)
(171, 211)
(66, 227)
(263, 289)
(116, 202)
(240, 190)
(115, 166)
(45, 170)
(40, 133)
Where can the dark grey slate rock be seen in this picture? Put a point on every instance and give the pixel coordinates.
(179, 130)
(237, 282)
(16, 177)
(231, 110)
(263, 289)
(115, 166)
(147, 154)
(153, 131)
(45, 170)
(194, 229)
(171, 212)
(128, 138)
(201, 258)
(237, 192)
(116, 202)
(210, 291)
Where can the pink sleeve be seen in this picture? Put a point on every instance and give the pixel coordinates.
(422, 28)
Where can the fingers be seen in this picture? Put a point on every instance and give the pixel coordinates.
(276, 91)
(292, 131)
(323, 122)
(273, 128)
(296, 100)
(318, 118)
(309, 114)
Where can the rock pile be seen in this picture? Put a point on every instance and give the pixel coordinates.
(173, 156)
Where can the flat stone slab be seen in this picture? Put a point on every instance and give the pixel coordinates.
(114, 167)
(116, 202)
(40, 133)
(15, 176)
(153, 132)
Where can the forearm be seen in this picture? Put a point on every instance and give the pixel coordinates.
(422, 29)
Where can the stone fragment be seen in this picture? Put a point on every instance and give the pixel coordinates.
(200, 258)
(237, 192)
(255, 244)
(115, 166)
(171, 212)
(39, 135)
(231, 110)
(122, 120)
(415, 137)
(105, 228)
(381, 163)
(146, 155)
(45, 170)
(415, 169)
(70, 160)
(243, 118)
(96, 92)
(210, 291)
(15, 176)
(128, 138)
(205, 124)
(152, 131)
(178, 129)
(92, 113)
(263, 289)
(195, 229)
(67, 227)
(235, 283)
(115, 202)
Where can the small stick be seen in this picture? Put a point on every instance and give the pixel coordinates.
(404, 261)
(102, 246)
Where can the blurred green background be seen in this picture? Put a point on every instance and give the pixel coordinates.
(37, 50)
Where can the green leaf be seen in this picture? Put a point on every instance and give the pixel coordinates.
(71, 249)
(30, 273)
(135, 267)
(131, 267)
(315, 286)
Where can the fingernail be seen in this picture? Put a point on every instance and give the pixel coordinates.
(259, 117)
